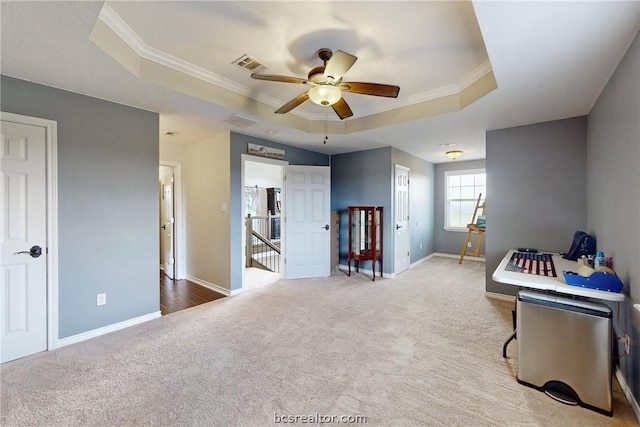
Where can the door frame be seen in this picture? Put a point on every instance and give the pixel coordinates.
(51, 176)
(324, 270)
(283, 164)
(397, 166)
(179, 236)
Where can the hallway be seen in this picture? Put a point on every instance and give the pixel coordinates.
(176, 295)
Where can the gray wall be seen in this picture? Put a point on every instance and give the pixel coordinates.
(363, 178)
(613, 207)
(450, 242)
(421, 202)
(107, 203)
(239, 145)
(536, 176)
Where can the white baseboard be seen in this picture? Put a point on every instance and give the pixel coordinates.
(345, 268)
(204, 283)
(421, 260)
(627, 392)
(502, 297)
(106, 329)
(457, 256)
(236, 292)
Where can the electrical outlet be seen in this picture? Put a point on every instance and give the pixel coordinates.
(469, 244)
(101, 299)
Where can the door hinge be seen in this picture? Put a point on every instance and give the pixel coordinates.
(172, 178)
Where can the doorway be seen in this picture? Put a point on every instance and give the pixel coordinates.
(262, 207)
(179, 242)
(167, 221)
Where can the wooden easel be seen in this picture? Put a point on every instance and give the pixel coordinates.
(473, 228)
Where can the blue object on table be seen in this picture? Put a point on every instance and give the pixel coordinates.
(599, 280)
(598, 261)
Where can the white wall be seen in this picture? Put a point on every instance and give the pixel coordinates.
(206, 181)
(171, 152)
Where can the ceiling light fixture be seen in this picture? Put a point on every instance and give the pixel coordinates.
(325, 94)
(453, 154)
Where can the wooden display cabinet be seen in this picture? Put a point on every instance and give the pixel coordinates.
(365, 237)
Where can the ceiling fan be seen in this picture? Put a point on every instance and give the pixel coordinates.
(327, 85)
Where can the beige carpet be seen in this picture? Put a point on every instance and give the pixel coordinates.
(421, 349)
(257, 278)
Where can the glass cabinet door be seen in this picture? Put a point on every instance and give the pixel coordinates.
(365, 236)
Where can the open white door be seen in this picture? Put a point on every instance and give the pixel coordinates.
(168, 226)
(307, 222)
(401, 217)
(23, 281)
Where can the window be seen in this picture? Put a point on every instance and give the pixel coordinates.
(462, 189)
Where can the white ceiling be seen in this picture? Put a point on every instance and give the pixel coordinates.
(550, 60)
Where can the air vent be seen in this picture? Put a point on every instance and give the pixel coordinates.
(249, 64)
(240, 121)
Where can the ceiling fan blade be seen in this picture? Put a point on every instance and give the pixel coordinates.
(276, 78)
(375, 89)
(339, 64)
(342, 109)
(293, 103)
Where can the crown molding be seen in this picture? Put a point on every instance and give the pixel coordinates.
(122, 30)
(452, 89)
(443, 96)
(441, 100)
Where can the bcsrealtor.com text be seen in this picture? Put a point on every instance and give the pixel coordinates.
(318, 419)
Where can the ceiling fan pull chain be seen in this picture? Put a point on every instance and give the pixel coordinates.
(326, 137)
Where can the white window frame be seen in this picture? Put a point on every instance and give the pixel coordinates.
(448, 174)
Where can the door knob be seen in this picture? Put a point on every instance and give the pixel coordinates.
(398, 226)
(34, 252)
(326, 227)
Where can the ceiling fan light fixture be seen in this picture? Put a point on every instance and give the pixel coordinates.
(453, 154)
(325, 94)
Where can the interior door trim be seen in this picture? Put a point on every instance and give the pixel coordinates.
(179, 228)
(51, 142)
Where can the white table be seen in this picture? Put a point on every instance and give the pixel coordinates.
(541, 369)
(548, 283)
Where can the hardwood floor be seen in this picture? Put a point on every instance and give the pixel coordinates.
(176, 295)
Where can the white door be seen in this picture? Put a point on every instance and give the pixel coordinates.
(23, 281)
(168, 225)
(401, 217)
(307, 222)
